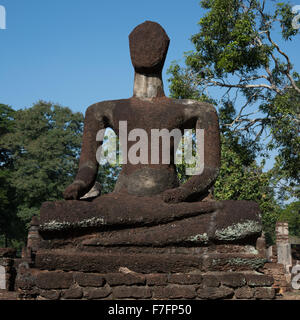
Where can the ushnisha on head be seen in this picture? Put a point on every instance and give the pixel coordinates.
(148, 44)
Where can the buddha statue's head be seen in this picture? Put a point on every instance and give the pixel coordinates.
(148, 44)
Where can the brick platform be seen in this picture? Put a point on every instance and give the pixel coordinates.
(181, 259)
(54, 285)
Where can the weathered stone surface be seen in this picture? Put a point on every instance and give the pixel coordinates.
(233, 280)
(230, 228)
(54, 280)
(29, 294)
(117, 279)
(244, 293)
(148, 47)
(185, 278)
(89, 279)
(174, 292)
(152, 262)
(73, 293)
(210, 281)
(215, 293)
(255, 280)
(264, 293)
(101, 262)
(97, 293)
(50, 294)
(156, 279)
(231, 221)
(233, 262)
(136, 292)
(25, 280)
(109, 213)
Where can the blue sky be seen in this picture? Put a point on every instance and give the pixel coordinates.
(76, 52)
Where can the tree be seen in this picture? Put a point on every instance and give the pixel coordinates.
(44, 145)
(258, 107)
(8, 220)
(291, 214)
(40, 148)
(235, 51)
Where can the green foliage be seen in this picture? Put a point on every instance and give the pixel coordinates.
(182, 85)
(284, 126)
(40, 149)
(9, 223)
(43, 144)
(235, 52)
(107, 177)
(226, 39)
(291, 214)
(240, 178)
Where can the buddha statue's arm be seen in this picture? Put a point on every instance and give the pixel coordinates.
(198, 185)
(95, 120)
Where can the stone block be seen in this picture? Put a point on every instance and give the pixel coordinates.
(50, 294)
(54, 280)
(244, 293)
(60, 259)
(73, 293)
(181, 278)
(97, 293)
(264, 293)
(89, 279)
(25, 281)
(156, 279)
(174, 292)
(233, 280)
(210, 280)
(123, 292)
(259, 280)
(215, 293)
(118, 279)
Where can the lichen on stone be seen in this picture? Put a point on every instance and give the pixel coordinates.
(58, 226)
(239, 230)
(202, 238)
(254, 263)
(251, 250)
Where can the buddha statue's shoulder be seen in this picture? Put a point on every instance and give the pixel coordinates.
(194, 107)
(106, 108)
(108, 104)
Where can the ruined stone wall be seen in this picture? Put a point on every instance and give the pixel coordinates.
(7, 270)
(282, 281)
(54, 285)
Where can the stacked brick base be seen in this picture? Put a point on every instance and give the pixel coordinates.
(54, 285)
(282, 280)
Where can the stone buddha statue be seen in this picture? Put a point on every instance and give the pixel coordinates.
(148, 206)
(148, 109)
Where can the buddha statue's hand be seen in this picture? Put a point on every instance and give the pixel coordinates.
(175, 195)
(72, 192)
